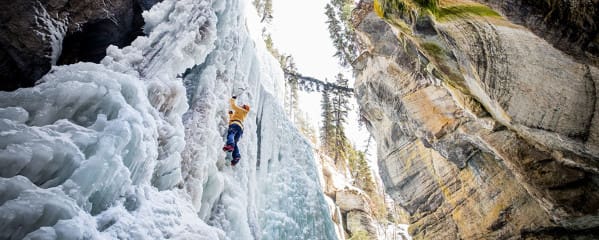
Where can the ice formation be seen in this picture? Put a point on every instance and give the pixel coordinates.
(130, 148)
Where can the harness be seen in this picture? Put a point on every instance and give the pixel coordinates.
(238, 123)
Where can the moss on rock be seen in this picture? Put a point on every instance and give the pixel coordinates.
(459, 11)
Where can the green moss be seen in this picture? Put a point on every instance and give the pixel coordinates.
(442, 70)
(433, 49)
(431, 5)
(455, 80)
(462, 10)
(396, 7)
(387, 8)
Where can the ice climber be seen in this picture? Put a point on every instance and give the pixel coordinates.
(236, 117)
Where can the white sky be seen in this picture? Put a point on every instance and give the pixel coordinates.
(299, 28)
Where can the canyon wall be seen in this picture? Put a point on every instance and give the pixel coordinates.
(485, 114)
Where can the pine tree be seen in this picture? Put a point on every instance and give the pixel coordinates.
(264, 9)
(267, 11)
(336, 33)
(335, 109)
(327, 129)
(340, 104)
(292, 88)
(269, 43)
(341, 100)
(258, 5)
(344, 8)
(341, 31)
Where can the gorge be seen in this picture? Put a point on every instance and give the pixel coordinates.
(113, 114)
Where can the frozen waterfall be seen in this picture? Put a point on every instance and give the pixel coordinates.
(131, 148)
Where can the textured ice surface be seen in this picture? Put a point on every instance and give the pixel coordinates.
(130, 148)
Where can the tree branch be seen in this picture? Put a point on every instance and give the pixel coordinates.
(325, 85)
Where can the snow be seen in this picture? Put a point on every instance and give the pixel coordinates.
(130, 148)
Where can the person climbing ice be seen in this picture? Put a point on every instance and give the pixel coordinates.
(236, 117)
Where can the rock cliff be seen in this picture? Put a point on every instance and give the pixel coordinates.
(355, 211)
(485, 114)
(35, 34)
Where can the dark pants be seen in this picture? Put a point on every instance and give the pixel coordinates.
(233, 136)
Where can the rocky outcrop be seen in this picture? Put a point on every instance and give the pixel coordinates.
(484, 129)
(34, 34)
(569, 25)
(351, 207)
(357, 212)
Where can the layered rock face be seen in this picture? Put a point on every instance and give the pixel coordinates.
(34, 33)
(359, 212)
(351, 207)
(569, 25)
(486, 129)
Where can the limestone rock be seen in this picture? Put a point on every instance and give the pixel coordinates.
(349, 199)
(358, 221)
(333, 179)
(358, 214)
(569, 25)
(486, 128)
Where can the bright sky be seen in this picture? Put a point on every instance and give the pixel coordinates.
(299, 28)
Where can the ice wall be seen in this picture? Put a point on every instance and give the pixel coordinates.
(130, 148)
(274, 192)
